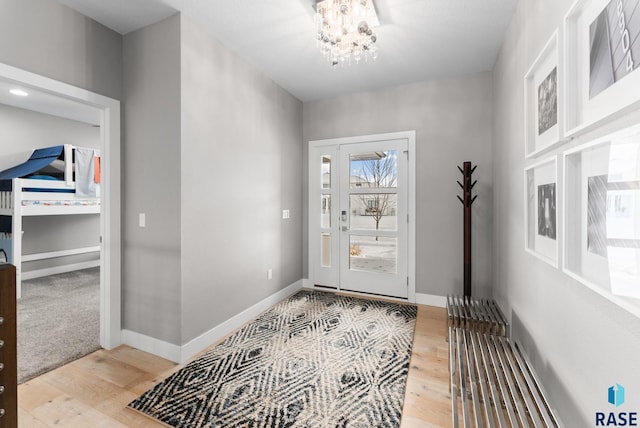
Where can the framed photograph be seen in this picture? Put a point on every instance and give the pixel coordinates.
(601, 216)
(602, 58)
(542, 100)
(541, 210)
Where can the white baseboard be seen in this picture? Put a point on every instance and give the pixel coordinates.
(152, 345)
(39, 273)
(180, 354)
(421, 298)
(221, 330)
(431, 300)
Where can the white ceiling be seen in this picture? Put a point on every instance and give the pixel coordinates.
(43, 102)
(418, 39)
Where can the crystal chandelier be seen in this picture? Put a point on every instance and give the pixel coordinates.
(344, 30)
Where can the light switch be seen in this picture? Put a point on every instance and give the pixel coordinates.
(142, 220)
(285, 213)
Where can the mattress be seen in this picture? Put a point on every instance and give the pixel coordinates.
(72, 202)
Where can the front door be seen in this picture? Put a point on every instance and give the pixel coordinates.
(359, 215)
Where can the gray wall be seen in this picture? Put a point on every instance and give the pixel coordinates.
(580, 343)
(212, 156)
(259, 130)
(47, 38)
(21, 131)
(453, 120)
(151, 180)
(241, 165)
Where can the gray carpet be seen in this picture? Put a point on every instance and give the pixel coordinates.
(58, 321)
(314, 360)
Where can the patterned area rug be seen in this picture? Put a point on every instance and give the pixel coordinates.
(314, 360)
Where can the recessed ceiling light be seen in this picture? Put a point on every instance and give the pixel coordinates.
(19, 92)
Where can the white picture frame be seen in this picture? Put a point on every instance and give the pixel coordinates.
(601, 216)
(608, 91)
(543, 93)
(541, 210)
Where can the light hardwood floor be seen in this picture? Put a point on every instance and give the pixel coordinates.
(94, 391)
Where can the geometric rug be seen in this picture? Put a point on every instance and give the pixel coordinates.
(316, 359)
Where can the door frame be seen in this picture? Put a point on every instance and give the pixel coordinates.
(110, 254)
(313, 253)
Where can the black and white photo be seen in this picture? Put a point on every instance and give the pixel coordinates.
(543, 101)
(597, 187)
(548, 102)
(614, 44)
(547, 210)
(542, 237)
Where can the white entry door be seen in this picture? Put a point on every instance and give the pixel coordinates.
(359, 215)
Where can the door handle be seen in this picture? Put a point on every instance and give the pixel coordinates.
(345, 229)
(343, 216)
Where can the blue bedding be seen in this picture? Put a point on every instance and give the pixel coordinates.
(38, 160)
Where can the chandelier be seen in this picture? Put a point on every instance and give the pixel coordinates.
(344, 30)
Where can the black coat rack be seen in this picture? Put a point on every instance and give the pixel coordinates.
(467, 201)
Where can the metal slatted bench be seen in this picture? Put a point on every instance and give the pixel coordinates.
(492, 383)
(476, 315)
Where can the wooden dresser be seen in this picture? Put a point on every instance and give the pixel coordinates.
(8, 354)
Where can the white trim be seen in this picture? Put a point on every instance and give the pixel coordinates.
(411, 211)
(151, 345)
(180, 354)
(559, 206)
(62, 253)
(206, 339)
(623, 303)
(39, 273)
(431, 300)
(555, 134)
(582, 112)
(627, 303)
(364, 138)
(110, 257)
(411, 200)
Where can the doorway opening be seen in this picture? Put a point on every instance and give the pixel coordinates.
(362, 214)
(59, 99)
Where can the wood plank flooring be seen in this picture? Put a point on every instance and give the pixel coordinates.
(94, 391)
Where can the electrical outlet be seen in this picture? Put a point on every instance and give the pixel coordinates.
(269, 273)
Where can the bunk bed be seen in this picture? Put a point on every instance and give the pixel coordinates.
(59, 180)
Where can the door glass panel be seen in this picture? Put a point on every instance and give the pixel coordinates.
(373, 211)
(325, 250)
(325, 170)
(373, 170)
(373, 254)
(325, 212)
